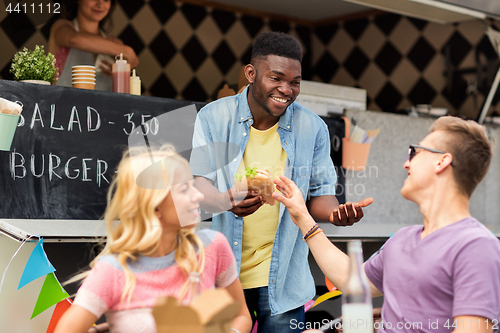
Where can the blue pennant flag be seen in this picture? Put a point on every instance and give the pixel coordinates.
(38, 265)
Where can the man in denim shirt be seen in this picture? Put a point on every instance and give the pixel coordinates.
(277, 134)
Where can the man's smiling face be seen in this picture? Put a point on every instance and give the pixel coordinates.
(275, 85)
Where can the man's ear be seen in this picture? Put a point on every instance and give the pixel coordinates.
(250, 73)
(445, 161)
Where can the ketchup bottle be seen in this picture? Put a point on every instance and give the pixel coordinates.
(121, 75)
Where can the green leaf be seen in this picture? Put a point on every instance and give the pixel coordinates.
(238, 176)
(251, 172)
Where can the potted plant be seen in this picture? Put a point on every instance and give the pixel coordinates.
(34, 66)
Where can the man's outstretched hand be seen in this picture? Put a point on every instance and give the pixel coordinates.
(244, 203)
(349, 213)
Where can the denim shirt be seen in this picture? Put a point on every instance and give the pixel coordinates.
(305, 139)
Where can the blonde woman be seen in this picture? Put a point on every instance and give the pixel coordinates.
(153, 249)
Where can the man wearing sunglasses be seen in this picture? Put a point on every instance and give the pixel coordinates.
(444, 275)
(413, 151)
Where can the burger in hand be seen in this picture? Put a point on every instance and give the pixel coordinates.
(257, 181)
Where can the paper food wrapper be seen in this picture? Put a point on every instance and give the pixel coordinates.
(100, 58)
(9, 107)
(212, 312)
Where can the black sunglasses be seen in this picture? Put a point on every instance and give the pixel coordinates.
(413, 151)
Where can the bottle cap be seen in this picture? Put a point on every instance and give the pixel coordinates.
(119, 59)
(133, 76)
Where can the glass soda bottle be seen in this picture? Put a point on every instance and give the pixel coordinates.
(357, 310)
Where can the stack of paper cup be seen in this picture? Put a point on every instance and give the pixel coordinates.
(83, 77)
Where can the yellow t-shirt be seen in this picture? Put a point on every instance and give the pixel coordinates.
(263, 151)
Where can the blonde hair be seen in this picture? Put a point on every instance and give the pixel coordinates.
(132, 199)
(467, 142)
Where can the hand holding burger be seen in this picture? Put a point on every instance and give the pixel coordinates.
(258, 181)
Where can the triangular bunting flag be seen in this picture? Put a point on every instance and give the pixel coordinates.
(38, 265)
(329, 285)
(326, 296)
(61, 307)
(51, 293)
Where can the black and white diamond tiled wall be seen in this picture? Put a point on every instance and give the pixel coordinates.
(186, 51)
(189, 51)
(401, 61)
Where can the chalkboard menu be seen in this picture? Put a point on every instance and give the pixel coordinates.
(67, 145)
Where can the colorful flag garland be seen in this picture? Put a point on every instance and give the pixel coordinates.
(52, 292)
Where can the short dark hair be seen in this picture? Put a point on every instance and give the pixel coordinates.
(276, 43)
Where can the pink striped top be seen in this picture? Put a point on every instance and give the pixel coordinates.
(102, 289)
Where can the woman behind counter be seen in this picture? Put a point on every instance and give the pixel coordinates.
(79, 39)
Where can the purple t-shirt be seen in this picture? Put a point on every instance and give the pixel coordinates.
(427, 282)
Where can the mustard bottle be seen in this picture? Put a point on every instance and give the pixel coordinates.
(135, 84)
